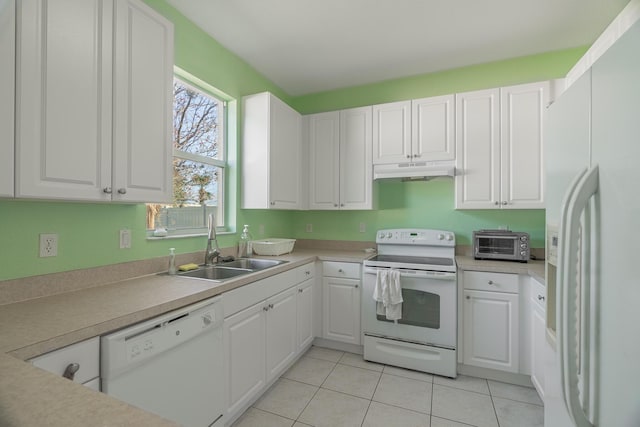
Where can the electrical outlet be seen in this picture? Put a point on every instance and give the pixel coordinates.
(363, 227)
(125, 238)
(48, 245)
(309, 228)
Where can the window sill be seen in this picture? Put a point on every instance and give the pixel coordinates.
(183, 236)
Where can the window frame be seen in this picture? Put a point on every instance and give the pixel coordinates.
(198, 85)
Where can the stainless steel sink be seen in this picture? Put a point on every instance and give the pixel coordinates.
(251, 263)
(230, 270)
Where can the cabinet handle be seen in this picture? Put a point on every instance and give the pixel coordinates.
(122, 191)
(341, 205)
(491, 282)
(416, 155)
(307, 273)
(540, 298)
(468, 297)
(408, 156)
(270, 305)
(504, 203)
(265, 308)
(335, 205)
(272, 203)
(496, 203)
(340, 270)
(106, 190)
(71, 370)
(299, 291)
(357, 286)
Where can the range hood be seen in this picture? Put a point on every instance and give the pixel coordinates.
(414, 171)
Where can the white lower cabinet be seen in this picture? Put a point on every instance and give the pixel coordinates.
(491, 320)
(281, 333)
(244, 346)
(305, 314)
(78, 362)
(341, 302)
(7, 93)
(262, 340)
(538, 330)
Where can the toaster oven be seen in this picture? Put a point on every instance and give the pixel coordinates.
(501, 245)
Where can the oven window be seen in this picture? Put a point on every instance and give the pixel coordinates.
(419, 309)
(489, 245)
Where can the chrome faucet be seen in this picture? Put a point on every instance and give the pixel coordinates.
(211, 252)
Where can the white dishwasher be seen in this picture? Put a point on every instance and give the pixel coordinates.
(171, 365)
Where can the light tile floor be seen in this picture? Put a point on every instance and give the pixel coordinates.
(332, 388)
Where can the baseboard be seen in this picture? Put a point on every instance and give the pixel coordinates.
(492, 374)
(337, 345)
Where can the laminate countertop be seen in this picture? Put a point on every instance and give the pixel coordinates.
(534, 269)
(30, 396)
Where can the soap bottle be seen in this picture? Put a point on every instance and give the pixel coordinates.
(172, 261)
(245, 248)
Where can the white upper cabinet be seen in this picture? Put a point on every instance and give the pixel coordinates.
(432, 128)
(392, 133)
(340, 159)
(271, 154)
(324, 160)
(414, 131)
(499, 147)
(143, 104)
(7, 78)
(94, 101)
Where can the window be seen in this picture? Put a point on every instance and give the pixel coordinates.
(199, 162)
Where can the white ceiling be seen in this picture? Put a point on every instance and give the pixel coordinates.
(307, 46)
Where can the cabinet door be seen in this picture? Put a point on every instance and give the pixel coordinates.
(538, 346)
(305, 314)
(341, 309)
(7, 90)
(491, 326)
(522, 168)
(281, 333)
(392, 133)
(244, 347)
(63, 116)
(478, 149)
(284, 156)
(324, 160)
(143, 97)
(433, 128)
(356, 169)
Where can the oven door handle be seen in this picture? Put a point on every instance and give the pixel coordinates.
(418, 274)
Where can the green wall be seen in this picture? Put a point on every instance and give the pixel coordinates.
(88, 233)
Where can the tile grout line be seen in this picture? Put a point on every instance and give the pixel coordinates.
(495, 412)
(371, 400)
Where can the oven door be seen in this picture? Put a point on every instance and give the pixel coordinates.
(429, 308)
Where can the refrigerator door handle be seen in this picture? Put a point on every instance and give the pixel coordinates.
(573, 308)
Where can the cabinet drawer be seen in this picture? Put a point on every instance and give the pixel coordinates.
(305, 272)
(497, 282)
(85, 353)
(539, 294)
(348, 270)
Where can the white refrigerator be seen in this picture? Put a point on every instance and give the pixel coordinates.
(592, 144)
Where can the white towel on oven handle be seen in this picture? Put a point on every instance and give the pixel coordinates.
(388, 294)
(379, 291)
(394, 306)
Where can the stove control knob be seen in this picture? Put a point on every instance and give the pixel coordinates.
(381, 236)
(389, 235)
(449, 237)
(523, 253)
(440, 236)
